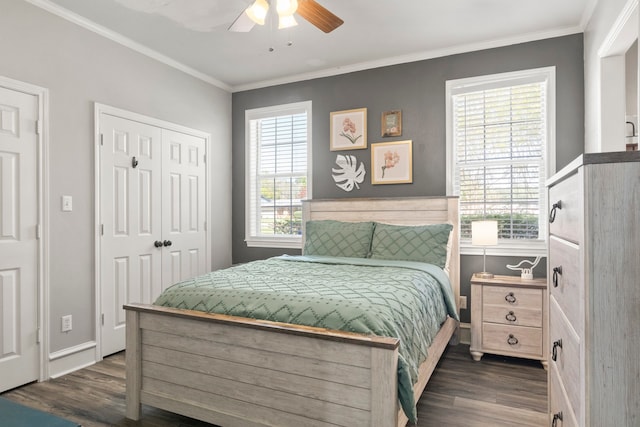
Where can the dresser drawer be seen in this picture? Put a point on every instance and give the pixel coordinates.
(510, 297)
(566, 284)
(559, 405)
(568, 360)
(512, 340)
(518, 316)
(569, 219)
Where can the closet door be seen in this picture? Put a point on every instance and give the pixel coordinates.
(183, 207)
(153, 214)
(130, 184)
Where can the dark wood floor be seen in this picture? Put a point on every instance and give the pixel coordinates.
(494, 392)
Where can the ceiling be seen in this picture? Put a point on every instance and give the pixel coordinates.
(192, 34)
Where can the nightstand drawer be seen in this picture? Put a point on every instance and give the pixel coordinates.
(568, 219)
(567, 343)
(512, 297)
(559, 405)
(517, 316)
(512, 340)
(565, 283)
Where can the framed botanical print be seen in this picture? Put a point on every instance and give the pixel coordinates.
(348, 130)
(392, 162)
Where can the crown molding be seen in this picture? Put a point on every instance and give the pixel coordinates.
(420, 56)
(125, 41)
(329, 72)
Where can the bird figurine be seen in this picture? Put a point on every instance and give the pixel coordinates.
(525, 272)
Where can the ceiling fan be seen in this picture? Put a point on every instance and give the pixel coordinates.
(310, 10)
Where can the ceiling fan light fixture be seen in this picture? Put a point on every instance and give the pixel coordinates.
(257, 12)
(286, 21)
(286, 7)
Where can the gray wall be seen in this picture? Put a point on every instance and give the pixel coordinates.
(79, 68)
(418, 89)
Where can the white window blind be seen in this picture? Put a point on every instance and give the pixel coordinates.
(278, 151)
(499, 143)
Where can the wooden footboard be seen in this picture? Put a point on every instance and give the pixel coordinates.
(241, 372)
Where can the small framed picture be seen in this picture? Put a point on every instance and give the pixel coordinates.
(392, 123)
(392, 162)
(348, 130)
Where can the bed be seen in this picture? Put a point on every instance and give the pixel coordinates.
(237, 371)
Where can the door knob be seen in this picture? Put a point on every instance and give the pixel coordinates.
(157, 244)
(167, 243)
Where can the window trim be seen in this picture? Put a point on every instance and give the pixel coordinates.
(536, 247)
(284, 242)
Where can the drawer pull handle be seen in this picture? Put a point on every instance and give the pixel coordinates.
(512, 340)
(554, 352)
(552, 214)
(556, 270)
(510, 317)
(510, 298)
(556, 417)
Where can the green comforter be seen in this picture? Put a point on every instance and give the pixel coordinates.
(406, 300)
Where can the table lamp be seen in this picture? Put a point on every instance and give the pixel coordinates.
(484, 233)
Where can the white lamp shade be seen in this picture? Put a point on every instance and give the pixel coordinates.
(484, 233)
(286, 7)
(286, 21)
(258, 11)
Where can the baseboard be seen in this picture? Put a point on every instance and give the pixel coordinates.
(465, 333)
(71, 359)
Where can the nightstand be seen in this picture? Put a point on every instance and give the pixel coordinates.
(509, 317)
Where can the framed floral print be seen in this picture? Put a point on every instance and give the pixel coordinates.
(392, 162)
(348, 130)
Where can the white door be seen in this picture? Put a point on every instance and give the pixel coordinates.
(152, 214)
(130, 169)
(183, 207)
(19, 351)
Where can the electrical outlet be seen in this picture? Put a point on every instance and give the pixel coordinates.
(67, 324)
(463, 302)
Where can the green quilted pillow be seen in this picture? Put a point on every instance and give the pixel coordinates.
(424, 243)
(336, 238)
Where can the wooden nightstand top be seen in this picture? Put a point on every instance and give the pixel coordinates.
(498, 280)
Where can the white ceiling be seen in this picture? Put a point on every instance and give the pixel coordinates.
(192, 34)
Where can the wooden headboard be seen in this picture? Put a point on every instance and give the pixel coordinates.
(399, 211)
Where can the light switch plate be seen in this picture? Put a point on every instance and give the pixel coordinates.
(67, 203)
(67, 323)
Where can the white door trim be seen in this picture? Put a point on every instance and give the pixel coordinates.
(100, 109)
(42, 96)
(611, 106)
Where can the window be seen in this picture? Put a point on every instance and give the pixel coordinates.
(500, 150)
(278, 163)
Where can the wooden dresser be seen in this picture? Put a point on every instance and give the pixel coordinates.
(594, 292)
(508, 317)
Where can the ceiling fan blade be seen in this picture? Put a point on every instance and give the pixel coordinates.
(318, 15)
(242, 24)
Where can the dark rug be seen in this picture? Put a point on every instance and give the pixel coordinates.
(15, 415)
